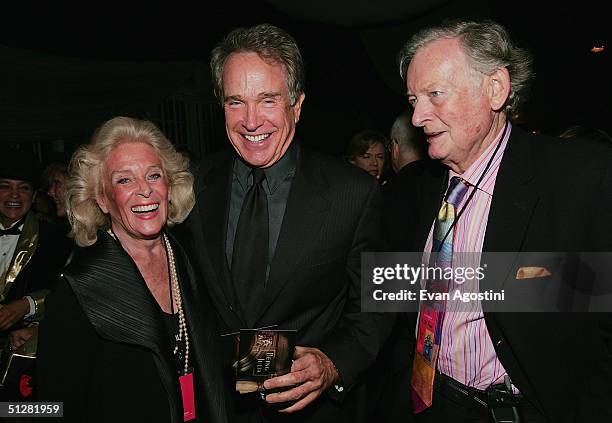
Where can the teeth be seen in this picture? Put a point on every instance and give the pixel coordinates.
(13, 204)
(256, 138)
(144, 209)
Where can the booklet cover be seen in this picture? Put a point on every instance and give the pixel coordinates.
(262, 354)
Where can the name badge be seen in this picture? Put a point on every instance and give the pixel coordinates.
(186, 382)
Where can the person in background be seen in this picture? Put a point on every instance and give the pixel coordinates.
(494, 188)
(366, 150)
(128, 335)
(408, 144)
(55, 175)
(31, 253)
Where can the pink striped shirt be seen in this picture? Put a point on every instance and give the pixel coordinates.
(466, 351)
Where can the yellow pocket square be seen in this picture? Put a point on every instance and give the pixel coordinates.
(529, 272)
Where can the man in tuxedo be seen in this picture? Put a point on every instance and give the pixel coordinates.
(278, 231)
(31, 253)
(522, 194)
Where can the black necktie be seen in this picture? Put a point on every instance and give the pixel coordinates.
(13, 230)
(250, 253)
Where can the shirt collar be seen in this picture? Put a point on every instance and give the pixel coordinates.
(275, 174)
(20, 223)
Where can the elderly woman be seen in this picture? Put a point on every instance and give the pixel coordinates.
(367, 151)
(127, 336)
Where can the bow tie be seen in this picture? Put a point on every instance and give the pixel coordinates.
(13, 230)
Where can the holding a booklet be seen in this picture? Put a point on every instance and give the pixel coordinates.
(262, 354)
(278, 231)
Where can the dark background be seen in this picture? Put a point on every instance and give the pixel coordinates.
(349, 48)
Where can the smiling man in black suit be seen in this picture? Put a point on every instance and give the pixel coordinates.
(279, 230)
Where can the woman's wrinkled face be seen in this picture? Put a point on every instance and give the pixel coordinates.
(373, 160)
(135, 191)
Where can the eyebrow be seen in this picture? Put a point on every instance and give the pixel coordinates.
(260, 95)
(269, 94)
(19, 183)
(152, 167)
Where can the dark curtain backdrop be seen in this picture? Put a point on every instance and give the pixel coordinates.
(45, 97)
(349, 47)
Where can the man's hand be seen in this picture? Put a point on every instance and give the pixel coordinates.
(20, 336)
(12, 312)
(312, 371)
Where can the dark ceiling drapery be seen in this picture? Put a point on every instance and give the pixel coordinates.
(356, 13)
(44, 97)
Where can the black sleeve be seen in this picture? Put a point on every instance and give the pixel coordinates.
(356, 342)
(66, 353)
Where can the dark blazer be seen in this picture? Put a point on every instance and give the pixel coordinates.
(50, 254)
(550, 195)
(333, 213)
(104, 349)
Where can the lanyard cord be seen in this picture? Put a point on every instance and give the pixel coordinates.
(456, 219)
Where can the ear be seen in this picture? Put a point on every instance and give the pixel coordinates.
(498, 88)
(101, 200)
(395, 154)
(394, 150)
(297, 107)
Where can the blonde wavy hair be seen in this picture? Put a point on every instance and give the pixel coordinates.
(85, 180)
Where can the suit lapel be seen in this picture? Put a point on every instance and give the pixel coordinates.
(432, 190)
(304, 214)
(203, 337)
(25, 249)
(208, 226)
(514, 200)
(106, 272)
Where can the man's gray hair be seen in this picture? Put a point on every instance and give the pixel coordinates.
(489, 48)
(272, 44)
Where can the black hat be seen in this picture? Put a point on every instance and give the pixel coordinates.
(20, 165)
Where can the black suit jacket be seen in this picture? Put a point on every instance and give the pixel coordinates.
(333, 213)
(550, 195)
(104, 349)
(41, 271)
(49, 254)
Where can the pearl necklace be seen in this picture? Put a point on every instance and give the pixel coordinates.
(176, 294)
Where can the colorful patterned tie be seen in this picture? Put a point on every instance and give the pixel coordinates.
(431, 312)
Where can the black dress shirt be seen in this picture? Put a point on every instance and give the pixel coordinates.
(277, 186)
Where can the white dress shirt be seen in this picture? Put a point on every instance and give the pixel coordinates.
(8, 243)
